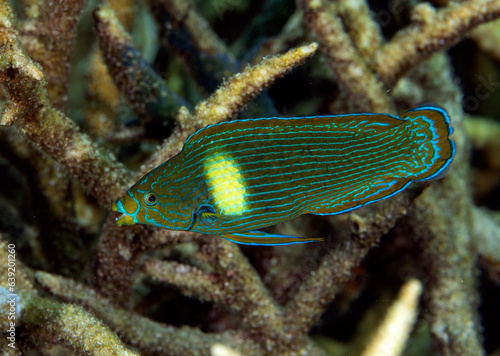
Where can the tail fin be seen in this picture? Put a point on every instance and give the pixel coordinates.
(431, 127)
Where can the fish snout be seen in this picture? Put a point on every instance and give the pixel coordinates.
(124, 218)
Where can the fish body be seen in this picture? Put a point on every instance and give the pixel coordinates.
(233, 178)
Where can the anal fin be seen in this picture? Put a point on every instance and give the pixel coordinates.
(256, 237)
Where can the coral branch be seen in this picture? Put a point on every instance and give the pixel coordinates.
(190, 280)
(125, 11)
(117, 256)
(223, 350)
(367, 226)
(234, 283)
(364, 31)
(229, 99)
(139, 331)
(441, 222)
(364, 91)
(431, 31)
(184, 14)
(49, 38)
(52, 321)
(28, 108)
(144, 90)
(56, 322)
(486, 236)
(103, 95)
(189, 35)
(455, 322)
(241, 88)
(101, 116)
(23, 282)
(487, 37)
(392, 334)
(484, 133)
(243, 289)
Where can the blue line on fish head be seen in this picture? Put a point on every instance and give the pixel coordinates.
(162, 198)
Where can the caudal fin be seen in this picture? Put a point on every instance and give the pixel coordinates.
(430, 127)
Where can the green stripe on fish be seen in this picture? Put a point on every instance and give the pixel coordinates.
(235, 177)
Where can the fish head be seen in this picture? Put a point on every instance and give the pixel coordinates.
(155, 200)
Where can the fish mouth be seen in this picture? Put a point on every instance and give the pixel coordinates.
(123, 218)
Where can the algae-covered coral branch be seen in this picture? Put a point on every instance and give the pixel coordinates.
(364, 31)
(33, 115)
(431, 31)
(364, 91)
(51, 321)
(49, 38)
(142, 332)
(55, 322)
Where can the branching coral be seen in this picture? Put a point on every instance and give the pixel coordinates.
(364, 92)
(29, 109)
(137, 330)
(430, 31)
(51, 321)
(103, 95)
(135, 283)
(145, 90)
(48, 36)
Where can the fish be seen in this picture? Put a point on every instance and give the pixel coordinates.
(233, 178)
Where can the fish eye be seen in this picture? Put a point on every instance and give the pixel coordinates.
(150, 199)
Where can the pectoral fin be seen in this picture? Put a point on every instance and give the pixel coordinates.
(256, 237)
(207, 217)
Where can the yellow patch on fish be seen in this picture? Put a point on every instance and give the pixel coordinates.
(225, 184)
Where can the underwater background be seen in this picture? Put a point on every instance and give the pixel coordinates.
(96, 94)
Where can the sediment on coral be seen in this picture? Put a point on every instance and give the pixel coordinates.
(83, 285)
